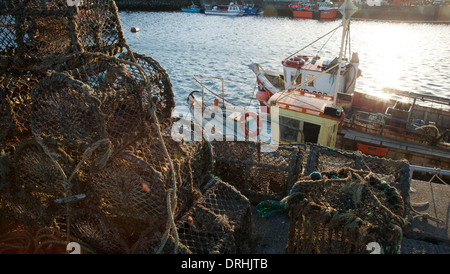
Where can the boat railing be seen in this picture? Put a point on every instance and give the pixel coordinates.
(218, 96)
(384, 125)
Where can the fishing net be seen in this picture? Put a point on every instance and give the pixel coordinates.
(35, 35)
(258, 175)
(344, 211)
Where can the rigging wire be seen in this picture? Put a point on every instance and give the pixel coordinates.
(317, 53)
(315, 41)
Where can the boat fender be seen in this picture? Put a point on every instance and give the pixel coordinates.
(243, 124)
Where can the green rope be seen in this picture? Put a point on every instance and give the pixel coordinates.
(270, 208)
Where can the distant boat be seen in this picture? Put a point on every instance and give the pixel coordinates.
(312, 10)
(252, 10)
(192, 8)
(231, 10)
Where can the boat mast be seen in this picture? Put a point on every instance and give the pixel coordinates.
(347, 9)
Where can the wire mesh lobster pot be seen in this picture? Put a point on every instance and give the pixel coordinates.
(127, 86)
(345, 212)
(35, 34)
(219, 222)
(66, 110)
(258, 175)
(108, 97)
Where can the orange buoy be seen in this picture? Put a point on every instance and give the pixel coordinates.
(135, 29)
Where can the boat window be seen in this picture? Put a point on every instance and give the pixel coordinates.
(309, 77)
(311, 132)
(289, 129)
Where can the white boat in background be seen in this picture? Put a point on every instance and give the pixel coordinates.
(233, 9)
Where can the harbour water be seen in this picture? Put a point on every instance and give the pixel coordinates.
(403, 56)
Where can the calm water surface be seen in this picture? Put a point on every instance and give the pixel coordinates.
(404, 56)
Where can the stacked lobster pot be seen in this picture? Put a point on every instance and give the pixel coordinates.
(345, 211)
(83, 156)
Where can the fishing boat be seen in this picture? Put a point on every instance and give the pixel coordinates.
(314, 10)
(251, 9)
(192, 8)
(314, 100)
(232, 9)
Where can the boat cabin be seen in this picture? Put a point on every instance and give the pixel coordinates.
(309, 71)
(305, 117)
(307, 110)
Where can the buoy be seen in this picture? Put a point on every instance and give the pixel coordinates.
(135, 29)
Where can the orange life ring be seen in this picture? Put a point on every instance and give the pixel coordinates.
(245, 129)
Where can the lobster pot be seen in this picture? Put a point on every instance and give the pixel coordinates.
(219, 222)
(130, 189)
(125, 89)
(345, 212)
(92, 226)
(396, 173)
(258, 175)
(158, 88)
(38, 34)
(40, 182)
(65, 110)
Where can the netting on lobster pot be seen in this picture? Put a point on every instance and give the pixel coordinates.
(15, 107)
(120, 97)
(38, 34)
(40, 181)
(131, 191)
(65, 110)
(346, 211)
(219, 222)
(396, 173)
(159, 88)
(259, 175)
(127, 87)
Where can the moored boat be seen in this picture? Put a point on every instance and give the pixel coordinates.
(192, 8)
(232, 9)
(314, 10)
(251, 9)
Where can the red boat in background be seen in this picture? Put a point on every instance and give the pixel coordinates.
(314, 10)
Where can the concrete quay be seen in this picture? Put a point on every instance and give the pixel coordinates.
(429, 231)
